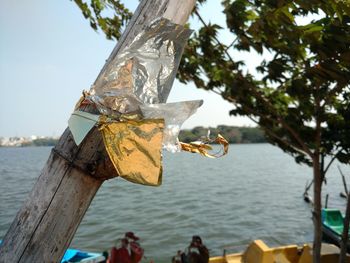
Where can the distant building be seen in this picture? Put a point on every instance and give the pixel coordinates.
(33, 140)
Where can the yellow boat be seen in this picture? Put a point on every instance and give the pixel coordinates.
(259, 252)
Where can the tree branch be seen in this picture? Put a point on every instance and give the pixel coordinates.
(259, 96)
(332, 93)
(270, 132)
(330, 163)
(282, 122)
(217, 40)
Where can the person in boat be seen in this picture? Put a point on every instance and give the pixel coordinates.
(121, 255)
(197, 252)
(136, 251)
(177, 258)
(106, 255)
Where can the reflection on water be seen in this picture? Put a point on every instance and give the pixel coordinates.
(253, 192)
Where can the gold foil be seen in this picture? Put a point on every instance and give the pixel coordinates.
(203, 148)
(134, 148)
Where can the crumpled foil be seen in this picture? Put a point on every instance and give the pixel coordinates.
(143, 73)
(203, 147)
(135, 149)
(174, 115)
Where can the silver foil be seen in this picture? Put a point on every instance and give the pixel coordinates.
(144, 71)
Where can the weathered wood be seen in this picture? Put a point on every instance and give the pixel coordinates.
(50, 216)
(45, 225)
(51, 239)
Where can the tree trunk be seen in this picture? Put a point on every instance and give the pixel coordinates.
(317, 210)
(48, 220)
(345, 235)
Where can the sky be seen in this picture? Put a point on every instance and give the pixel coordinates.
(49, 55)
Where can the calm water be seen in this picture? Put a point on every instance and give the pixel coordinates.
(254, 192)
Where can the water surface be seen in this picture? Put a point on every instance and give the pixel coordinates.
(253, 192)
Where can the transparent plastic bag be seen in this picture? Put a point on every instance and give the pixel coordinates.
(174, 115)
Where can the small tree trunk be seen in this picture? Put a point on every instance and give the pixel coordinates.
(344, 239)
(317, 210)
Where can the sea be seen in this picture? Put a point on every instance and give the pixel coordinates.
(254, 192)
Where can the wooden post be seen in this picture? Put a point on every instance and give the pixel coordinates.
(45, 225)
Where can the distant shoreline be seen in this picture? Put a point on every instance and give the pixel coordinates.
(53, 145)
(233, 134)
(27, 141)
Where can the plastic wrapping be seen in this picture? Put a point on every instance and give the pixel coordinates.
(143, 73)
(80, 123)
(130, 97)
(174, 115)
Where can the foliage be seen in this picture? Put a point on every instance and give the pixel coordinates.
(230, 133)
(302, 96)
(304, 85)
(108, 15)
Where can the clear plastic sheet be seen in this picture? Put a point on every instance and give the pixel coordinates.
(174, 115)
(80, 123)
(144, 71)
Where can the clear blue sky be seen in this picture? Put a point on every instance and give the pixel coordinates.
(49, 54)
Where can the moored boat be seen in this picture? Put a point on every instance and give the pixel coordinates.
(332, 226)
(259, 252)
(78, 256)
(74, 255)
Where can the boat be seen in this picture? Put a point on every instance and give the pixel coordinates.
(256, 252)
(78, 256)
(74, 255)
(332, 226)
(259, 252)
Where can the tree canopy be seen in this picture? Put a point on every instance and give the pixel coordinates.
(301, 96)
(110, 16)
(304, 85)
